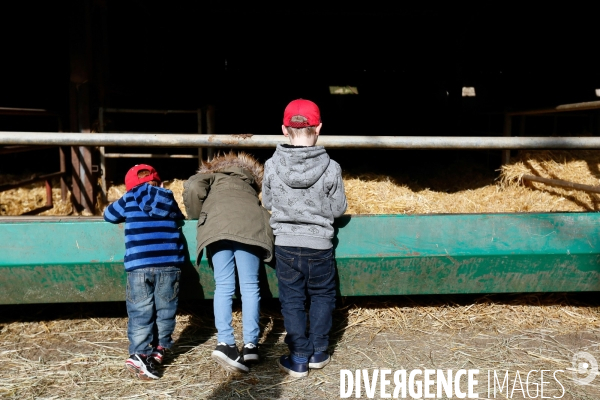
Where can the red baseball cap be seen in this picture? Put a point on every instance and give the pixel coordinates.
(304, 108)
(132, 180)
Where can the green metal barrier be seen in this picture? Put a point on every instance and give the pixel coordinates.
(80, 260)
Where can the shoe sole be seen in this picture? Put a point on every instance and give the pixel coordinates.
(229, 364)
(139, 374)
(319, 365)
(251, 358)
(290, 372)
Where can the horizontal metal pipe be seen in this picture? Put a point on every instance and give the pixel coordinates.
(32, 180)
(136, 111)
(269, 141)
(21, 149)
(26, 111)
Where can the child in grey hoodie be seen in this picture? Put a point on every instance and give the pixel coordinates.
(304, 190)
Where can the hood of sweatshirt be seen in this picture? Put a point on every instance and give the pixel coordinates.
(157, 202)
(300, 167)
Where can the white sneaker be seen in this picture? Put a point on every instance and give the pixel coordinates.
(141, 367)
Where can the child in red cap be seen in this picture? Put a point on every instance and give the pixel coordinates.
(153, 256)
(304, 190)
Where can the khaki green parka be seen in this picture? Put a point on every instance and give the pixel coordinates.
(223, 196)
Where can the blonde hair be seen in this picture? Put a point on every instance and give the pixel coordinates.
(306, 131)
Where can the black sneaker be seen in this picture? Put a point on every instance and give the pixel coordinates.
(158, 353)
(250, 352)
(229, 358)
(141, 367)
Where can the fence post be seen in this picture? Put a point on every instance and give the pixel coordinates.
(507, 132)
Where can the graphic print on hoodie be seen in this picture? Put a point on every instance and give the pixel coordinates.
(304, 190)
(152, 234)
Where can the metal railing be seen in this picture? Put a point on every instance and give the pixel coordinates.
(508, 118)
(201, 113)
(269, 141)
(34, 112)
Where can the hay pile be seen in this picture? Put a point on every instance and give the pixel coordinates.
(460, 188)
(400, 194)
(30, 197)
(581, 166)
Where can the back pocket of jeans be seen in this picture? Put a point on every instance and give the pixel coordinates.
(168, 286)
(285, 272)
(137, 287)
(320, 270)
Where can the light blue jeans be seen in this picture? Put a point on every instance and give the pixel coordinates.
(227, 257)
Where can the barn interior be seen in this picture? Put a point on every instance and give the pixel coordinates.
(373, 68)
(396, 68)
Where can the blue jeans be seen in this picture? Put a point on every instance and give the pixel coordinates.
(152, 298)
(303, 272)
(227, 256)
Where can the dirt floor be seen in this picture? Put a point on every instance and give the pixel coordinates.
(78, 350)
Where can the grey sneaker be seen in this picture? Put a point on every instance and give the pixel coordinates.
(229, 358)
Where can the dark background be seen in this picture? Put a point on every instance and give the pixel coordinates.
(408, 62)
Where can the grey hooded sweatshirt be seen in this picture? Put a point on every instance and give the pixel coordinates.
(303, 189)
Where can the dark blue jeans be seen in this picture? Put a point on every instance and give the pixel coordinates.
(152, 298)
(306, 275)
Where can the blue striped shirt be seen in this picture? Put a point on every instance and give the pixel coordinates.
(152, 235)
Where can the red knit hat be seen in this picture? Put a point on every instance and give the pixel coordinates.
(304, 108)
(132, 180)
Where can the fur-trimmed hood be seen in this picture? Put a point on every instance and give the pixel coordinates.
(223, 162)
(223, 196)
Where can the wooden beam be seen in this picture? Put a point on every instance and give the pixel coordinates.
(81, 75)
(562, 183)
(590, 105)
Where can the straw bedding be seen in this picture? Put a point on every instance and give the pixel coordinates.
(78, 351)
(30, 197)
(472, 193)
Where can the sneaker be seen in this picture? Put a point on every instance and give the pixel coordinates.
(229, 358)
(318, 360)
(250, 352)
(289, 366)
(158, 353)
(141, 367)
